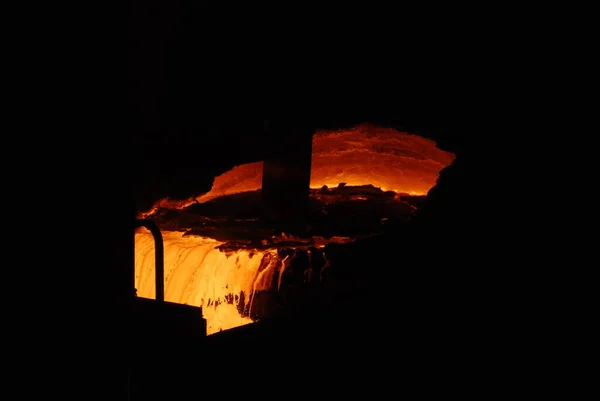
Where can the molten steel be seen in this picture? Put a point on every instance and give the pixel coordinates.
(223, 284)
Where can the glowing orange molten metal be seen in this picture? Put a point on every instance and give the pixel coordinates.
(366, 154)
(197, 273)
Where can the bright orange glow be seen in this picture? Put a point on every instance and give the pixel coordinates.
(196, 273)
(383, 157)
(199, 274)
(366, 154)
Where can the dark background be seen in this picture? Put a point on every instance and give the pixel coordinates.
(200, 83)
(192, 78)
(204, 80)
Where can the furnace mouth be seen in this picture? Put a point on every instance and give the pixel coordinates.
(222, 255)
(362, 180)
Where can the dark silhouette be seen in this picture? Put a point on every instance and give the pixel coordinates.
(421, 306)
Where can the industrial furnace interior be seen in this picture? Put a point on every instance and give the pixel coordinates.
(364, 180)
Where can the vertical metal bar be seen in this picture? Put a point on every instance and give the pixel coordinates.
(159, 256)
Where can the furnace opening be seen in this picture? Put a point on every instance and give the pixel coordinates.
(219, 257)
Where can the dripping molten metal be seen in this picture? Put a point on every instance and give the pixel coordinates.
(224, 284)
(199, 274)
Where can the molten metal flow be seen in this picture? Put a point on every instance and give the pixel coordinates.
(199, 274)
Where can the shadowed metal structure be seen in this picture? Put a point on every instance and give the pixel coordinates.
(286, 176)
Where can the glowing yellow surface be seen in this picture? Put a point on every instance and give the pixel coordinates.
(198, 274)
